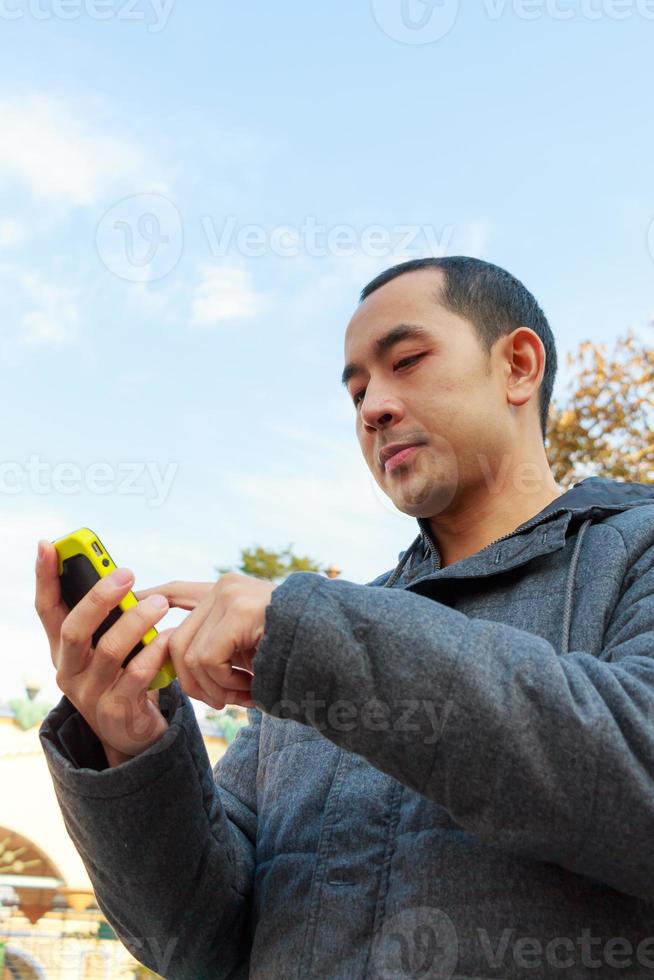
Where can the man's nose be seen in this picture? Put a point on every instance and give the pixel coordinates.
(379, 409)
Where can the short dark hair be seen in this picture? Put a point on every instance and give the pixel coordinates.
(494, 301)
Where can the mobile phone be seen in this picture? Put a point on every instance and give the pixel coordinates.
(83, 561)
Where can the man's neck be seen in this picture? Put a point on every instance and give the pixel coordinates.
(478, 524)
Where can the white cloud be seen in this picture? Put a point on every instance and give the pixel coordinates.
(39, 310)
(225, 293)
(54, 150)
(157, 302)
(12, 232)
(51, 311)
(41, 328)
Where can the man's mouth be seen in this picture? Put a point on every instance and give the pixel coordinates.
(395, 455)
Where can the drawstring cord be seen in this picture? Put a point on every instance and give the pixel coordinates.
(567, 611)
(405, 557)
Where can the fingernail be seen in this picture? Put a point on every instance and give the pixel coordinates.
(159, 601)
(121, 576)
(40, 551)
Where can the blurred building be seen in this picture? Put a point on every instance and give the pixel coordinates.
(50, 924)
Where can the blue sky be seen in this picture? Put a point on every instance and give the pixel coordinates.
(192, 196)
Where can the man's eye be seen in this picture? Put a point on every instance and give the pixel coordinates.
(408, 360)
(400, 364)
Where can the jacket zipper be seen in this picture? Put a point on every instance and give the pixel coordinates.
(523, 527)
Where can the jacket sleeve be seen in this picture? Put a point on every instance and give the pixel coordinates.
(168, 845)
(548, 755)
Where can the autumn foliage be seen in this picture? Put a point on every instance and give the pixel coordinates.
(606, 427)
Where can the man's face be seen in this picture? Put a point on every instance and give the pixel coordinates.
(438, 390)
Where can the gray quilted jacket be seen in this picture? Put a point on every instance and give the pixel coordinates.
(451, 773)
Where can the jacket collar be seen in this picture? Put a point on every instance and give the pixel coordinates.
(542, 534)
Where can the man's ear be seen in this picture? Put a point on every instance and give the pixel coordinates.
(524, 358)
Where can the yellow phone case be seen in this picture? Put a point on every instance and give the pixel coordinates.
(83, 561)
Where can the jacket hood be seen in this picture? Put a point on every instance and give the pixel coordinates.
(603, 494)
(584, 501)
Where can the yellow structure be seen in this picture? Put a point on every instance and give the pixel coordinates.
(50, 924)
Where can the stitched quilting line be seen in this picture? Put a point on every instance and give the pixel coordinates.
(330, 819)
(384, 877)
(261, 861)
(263, 757)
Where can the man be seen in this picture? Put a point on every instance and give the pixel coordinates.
(448, 772)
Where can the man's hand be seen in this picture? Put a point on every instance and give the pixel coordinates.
(115, 701)
(213, 649)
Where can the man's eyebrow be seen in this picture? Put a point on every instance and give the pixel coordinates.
(403, 331)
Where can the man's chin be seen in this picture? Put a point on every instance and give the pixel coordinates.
(410, 506)
(431, 500)
(413, 511)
